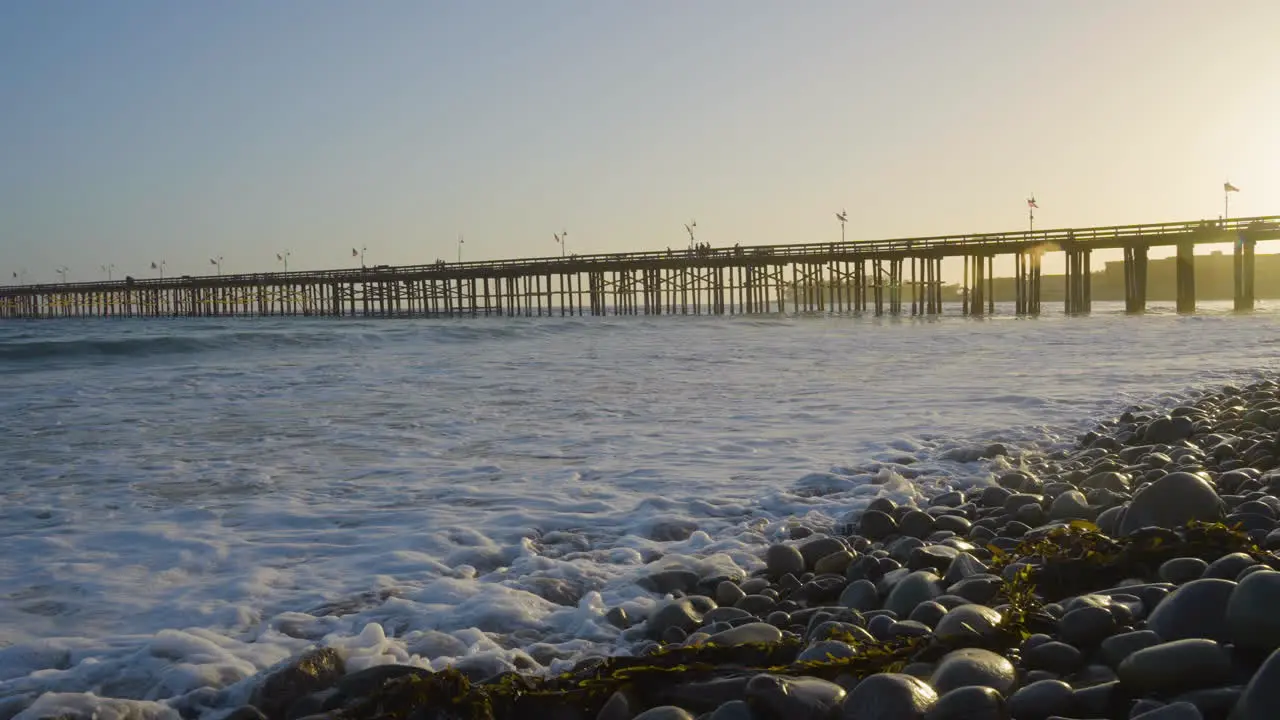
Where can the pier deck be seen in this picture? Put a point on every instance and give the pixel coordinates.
(881, 276)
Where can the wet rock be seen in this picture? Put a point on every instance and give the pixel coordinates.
(978, 588)
(1166, 430)
(1118, 647)
(969, 703)
(783, 559)
(366, 682)
(757, 605)
(876, 525)
(973, 666)
(701, 696)
(963, 566)
(1181, 664)
(1086, 626)
(912, 590)
(756, 632)
(1182, 570)
(1172, 502)
(967, 623)
(826, 649)
(818, 548)
(889, 696)
(793, 697)
(1228, 567)
(1056, 657)
(678, 614)
(1070, 505)
(667, 581)
(313, 671)
(928, 613)
(1040, 700)
(835, 563)
(1214, 702)
(916, 524)
(1262, 695)
(1253, 612)
(728, 593)
(1197, 609)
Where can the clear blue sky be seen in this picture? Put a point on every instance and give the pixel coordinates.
(145, 130)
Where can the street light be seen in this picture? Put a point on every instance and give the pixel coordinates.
(218, 262)
(280, 257)
(461, 242)
(560, 239)
(689, 229)
(108, 269)
(63, 272)
(359, 253)
(159, 266)
(843, 217)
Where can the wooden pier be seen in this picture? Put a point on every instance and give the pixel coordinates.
(881, 276)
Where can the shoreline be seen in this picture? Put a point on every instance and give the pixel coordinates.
(1027, 570)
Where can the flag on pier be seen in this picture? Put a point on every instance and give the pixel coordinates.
(1228, 187)
(355, 253)
(1031, 202)
(212, 261)
(154, 266)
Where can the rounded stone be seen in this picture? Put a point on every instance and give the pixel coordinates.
(876, 525)
(818, 548)
(755, 632)
(1086, 626)
(860, 595)
(1228, 567)
(1040, 700)
(835, 563)
(1177, 665)
(733, 710)
(782, 559)
(826, 649)
(964, 565)
(973, 666)
(1253, 612)
(1118, 647)
(1182, 570)
(1070, 505)
(916, 524)
(915, 588)
(1056, 657)
(969, 703)
(1171, 502)
(889, 696)
(793, 697)
(1172, 711)
(928, 613)
(1195, 610)
(677, 614)
(967, 622)
(728, 593)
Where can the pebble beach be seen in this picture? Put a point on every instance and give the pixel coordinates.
(1134, 577)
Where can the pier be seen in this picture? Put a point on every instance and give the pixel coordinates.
(900, 276)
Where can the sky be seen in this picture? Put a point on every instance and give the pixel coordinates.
(143, 131)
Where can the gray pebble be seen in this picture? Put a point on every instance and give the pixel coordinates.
(973, 666)
(1118, 647)
(1182, 570)
(967, 622)
(782, 559)
(1175, 711)
(1197, 609)
(1253, 612)
(889, 696)
(1038, 700)
(1181, 664)
(969, 703)
(664, 712)
(1056, 657)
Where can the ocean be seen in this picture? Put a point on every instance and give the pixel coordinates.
(184, 503)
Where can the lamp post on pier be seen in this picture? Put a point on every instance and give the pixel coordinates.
(461, 241)
(1031, 213)
(689, 229)
(282, 257)
(109, 269)
(62, 270)
(843, 217)
(560, 239)
(359, 253)
(1227, 189)
(159, 266)
(218, 262)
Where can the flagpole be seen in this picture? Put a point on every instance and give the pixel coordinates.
(1226, 203)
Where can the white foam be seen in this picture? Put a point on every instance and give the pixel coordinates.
(482, 493)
